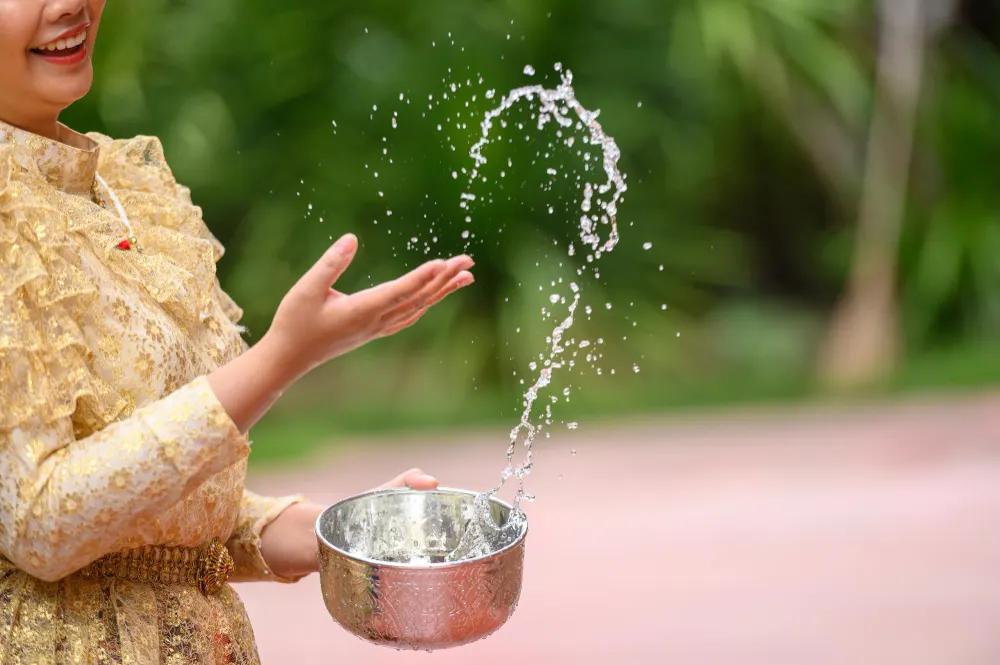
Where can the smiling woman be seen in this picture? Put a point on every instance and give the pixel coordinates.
(126, 389)
(45, 58)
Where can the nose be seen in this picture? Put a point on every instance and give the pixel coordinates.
(61, 10)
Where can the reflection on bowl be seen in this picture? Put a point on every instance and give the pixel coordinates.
(386, 578)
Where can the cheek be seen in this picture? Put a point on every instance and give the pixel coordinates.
(15, 37)
(95, 11)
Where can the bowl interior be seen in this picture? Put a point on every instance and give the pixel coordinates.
(405, 526)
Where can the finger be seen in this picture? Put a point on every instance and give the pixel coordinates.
(431, 289)
(410, 316)
(390, 294)
(422, 482)
(403, 324)
(455, 266)
(400, 480)
(459, 281)
(332, 264)
(414, 479)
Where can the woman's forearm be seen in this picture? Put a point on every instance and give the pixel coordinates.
(249, 385)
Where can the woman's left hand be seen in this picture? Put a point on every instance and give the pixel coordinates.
(288, 544)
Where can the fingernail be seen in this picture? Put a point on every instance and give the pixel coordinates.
(426, 480)
(345, 244)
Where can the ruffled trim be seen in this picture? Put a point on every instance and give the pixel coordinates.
(178, 269)
(45, 294)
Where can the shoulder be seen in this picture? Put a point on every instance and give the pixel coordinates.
(138, 164)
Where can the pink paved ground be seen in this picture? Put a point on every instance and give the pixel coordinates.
(861, 537)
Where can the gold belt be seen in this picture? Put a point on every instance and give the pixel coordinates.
(208, 568)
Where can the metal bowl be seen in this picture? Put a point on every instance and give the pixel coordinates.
(386, 578)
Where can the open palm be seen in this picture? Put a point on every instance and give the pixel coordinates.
(322, 323)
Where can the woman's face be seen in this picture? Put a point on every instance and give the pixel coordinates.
(45, 48)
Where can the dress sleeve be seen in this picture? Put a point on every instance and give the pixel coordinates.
(65, 502)
(256, 512)
(80, 468)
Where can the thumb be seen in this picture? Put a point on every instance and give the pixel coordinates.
(333, 263)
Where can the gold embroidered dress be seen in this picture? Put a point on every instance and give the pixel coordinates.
(110, 437)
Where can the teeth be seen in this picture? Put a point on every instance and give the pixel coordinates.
(63, 44)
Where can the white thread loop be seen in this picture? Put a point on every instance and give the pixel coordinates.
(118, 205)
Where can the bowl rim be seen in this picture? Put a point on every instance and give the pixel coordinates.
(417, 566)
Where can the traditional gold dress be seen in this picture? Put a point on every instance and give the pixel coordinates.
(110, 437)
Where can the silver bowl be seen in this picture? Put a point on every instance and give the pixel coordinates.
(386, 578)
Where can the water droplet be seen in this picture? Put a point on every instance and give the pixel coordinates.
(529, 70)
(647, 245)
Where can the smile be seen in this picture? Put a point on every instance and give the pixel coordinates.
(66, 51)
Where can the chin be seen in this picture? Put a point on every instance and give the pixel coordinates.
(71, 89)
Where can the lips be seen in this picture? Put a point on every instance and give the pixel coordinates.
(69, 49)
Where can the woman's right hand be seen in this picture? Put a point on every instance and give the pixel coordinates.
(316, 323)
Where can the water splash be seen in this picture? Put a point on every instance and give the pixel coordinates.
(599, 211)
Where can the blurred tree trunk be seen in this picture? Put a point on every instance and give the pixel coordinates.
(864, 340)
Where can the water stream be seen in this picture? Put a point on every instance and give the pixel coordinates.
(598, 234)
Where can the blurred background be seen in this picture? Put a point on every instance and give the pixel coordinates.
(812, 216)
(816, 185)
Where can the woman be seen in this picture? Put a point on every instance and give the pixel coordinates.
(126, 390)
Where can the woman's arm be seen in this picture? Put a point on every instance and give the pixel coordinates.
(65, 502)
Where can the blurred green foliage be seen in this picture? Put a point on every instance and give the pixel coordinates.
(742, 126)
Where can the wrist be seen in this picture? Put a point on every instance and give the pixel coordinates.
(289, 544)
(284, 362)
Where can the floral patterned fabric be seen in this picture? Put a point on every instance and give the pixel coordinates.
(110, 437)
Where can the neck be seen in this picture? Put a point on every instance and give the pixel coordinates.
(44, 124)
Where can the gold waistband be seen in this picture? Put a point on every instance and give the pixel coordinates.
(207, 568)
